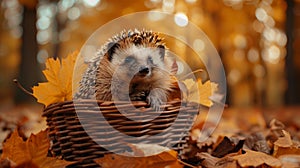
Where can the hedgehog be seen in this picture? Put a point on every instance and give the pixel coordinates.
(131, 66)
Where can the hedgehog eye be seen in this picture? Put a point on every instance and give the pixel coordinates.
(150, 60)
(129, 59)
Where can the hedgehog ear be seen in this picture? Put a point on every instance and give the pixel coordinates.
(112, 46)
(161, 51)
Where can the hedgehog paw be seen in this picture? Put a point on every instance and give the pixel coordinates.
(156, 98)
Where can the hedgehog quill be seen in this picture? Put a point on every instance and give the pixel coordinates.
(132, 65)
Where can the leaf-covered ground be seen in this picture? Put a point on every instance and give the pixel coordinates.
(243, 138)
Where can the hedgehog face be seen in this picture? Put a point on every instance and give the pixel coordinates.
(137, 63)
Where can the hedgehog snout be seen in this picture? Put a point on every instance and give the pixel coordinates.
(144, 71)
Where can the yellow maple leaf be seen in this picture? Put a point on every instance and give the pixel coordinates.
(59, 75)
(200, 92)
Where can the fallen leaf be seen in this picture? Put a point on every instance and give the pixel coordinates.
(142, 150)
(201, 92)
(226, 146)
(162, 160)
(207, 159)
(257, 142)
(32, 152)
(284, 145)
(276, 125)
(255, 159)
(284, 141)
(290, 161)
(192, 147)
(211, 161)
(136, 150)
(276, 128)
(59, 75)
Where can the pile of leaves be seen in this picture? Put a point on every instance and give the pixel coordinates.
(31, 153)
(272, 146)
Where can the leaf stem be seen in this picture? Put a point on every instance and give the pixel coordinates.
(21, 87)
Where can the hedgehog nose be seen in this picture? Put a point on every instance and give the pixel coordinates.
(144, 70)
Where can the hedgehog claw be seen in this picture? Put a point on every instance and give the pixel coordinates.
(156, 99)
(155, 104)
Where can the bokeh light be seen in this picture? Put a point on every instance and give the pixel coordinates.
(199, 45)
(91, 3)
(181, 19)
(74, 13)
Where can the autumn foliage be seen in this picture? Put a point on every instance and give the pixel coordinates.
(30, 153)
(59, 75)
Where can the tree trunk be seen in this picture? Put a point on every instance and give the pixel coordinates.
(292, 71)
(29, 70)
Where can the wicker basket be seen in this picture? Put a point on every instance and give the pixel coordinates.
(74, 142)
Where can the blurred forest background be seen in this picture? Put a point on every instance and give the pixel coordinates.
(258, 41)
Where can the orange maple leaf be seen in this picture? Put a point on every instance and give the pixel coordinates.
(33, 152)
(200, 92)
(59, 75)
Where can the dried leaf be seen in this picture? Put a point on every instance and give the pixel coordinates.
(290, 161)
(211, 161)
(193, 147)
(254, 159)
(226, 146)
(59, 86)
(276, 128)
(284, 141)
(284, 145)
(142, 150)
(257, 142)
(276, 125)
(164, 159)
(207, 159)
(136, 150)
(200, 92)
(32, 152)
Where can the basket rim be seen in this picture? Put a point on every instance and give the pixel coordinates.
(71, 104)
(107, 103)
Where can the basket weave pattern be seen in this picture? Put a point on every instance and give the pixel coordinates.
(75, 127)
